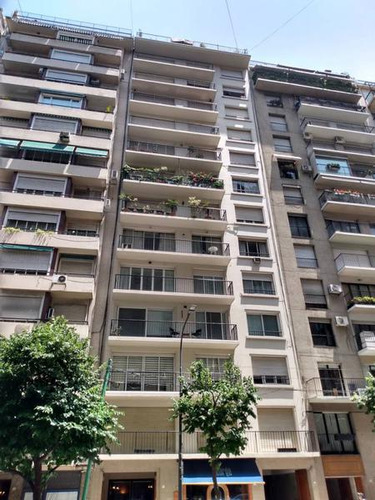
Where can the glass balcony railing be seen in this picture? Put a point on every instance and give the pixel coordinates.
(329, 104)
(171, 101)
(346, 196)
(354, 260)
(342, 227)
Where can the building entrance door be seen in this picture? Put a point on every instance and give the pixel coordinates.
(131, 489)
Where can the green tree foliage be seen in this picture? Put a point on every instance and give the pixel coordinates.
(366, 400)
(221, 408)
(51, 410)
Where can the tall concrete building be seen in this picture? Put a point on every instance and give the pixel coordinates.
(146, 198)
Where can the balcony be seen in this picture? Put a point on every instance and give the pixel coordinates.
(340, 174)
(141, 248)
(366, 344)
(174, 132)
(328, 130)
(169, 107)
(169, 66)
(78, 207)
(9, 326)
(271, 380)
(333, 389)
(349, 233)
(153, 154)
(337, 444)
(354, 267)
(361, 302)
(161, 183)
(210, 291)
(347, 203)
(196, 90)
(308, 83)
(259, 443)
(152, 212)
(331, 110)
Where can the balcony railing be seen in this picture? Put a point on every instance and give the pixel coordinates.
(315, 300)
(172, 329)
(165, 149)
(209, 286)
(364, 295)
(353, 260)
(343, 126)
(202, 84)
(175, 126)
(172, 60)
(54, 194)
(161, 244)
(334, 387)
(32, 226)
(166, 442)
(329, 104)
(365, 340)
(344, 227)
(190, 179)
(347, 197)
(150, 207)
(362, 171)
(182, 103)
(339, 443)
(271, 379)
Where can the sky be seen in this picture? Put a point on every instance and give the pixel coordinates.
(328, 34)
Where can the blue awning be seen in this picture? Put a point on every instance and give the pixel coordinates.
(232, 471)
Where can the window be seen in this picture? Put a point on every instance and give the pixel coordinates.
(338, 166)
(142, 373)
(231, 74)
(293, 195)
(249, 215)
(269, 370)
(237, 113)
(241, 158)
(372, 228)
(299, 226)
(314, 294)
(266, 325)
(331, 380)
(287, 170)
(137, 278)
(234, 92)
(215, 365)
(342, 226)
(258, 283)
(322, 334)
(39, 185)
(253, 248)
(212, 285)
(76, 264)
(278, 123)
(31, 221)
(212, 325)
(274, 101)
(64, 55)
(143, 323)
(56, 75)
(211, 245)
(148, 240)
(305, 255)
(335, 433)
(235, 134)
(27, 260)
(20, 307)
(245, 187)
(54, 124)
(61, 100)
(282, 144)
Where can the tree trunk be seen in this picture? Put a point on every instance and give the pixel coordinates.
(37, 490)
(216, 489)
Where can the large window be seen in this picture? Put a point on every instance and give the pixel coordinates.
(274, 101)
(305, 256)
(245, 186)
(142, 373)
(314, 294)
(211, 245)
(65, 101)
(335, 433)
(32, 184)
(336, 166)
(253, 248)
(212, 325)
(234, 92)
(282, 144)
(236, 113)
(138, 278)
(56, 75)
(213, 285)
(64, 55)
(148, 240)
(31, 221)
(266, 325)
(54, 124)
(287, 170)
(331, 380)
(25, 260)
(322, 334)
(269, 370)
(143, 323)
(258, 283)
(299, 226)
(249, 215)
(236, 134)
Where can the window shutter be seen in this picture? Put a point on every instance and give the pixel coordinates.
(250, 215)
(269, 366)
(241, 158)
(33, 216)
(27, 260)
(239, 135)
(20, 307)
(40, 184)
(54, 124)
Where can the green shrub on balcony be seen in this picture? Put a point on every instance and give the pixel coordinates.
(366, 300)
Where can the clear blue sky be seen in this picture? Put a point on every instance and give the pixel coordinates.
(329, 34)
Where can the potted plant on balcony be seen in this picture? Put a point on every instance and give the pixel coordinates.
(333, 166)
(196, 205)
(129, 202)
(172, 206)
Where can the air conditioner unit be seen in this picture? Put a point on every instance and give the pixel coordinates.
(307, 169)
(257, 260)
(339, 140)
(113, 176)
(50, 313)
(64, 136)
(307, 136)
(341, 321)
(334, 289)
(59, 278)
(107, 204)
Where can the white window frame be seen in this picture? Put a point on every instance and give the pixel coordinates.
(62, 120)
(60, 96)
(66, 80)
(80, 54)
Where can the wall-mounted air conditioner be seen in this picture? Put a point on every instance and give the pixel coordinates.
(334, 289)
(341, 321)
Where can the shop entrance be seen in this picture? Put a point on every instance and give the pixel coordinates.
(131, 489)
(228, 492)
(281, 485)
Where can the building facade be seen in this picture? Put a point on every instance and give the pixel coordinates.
(153, 189)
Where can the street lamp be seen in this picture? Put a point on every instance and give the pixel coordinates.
(191, 309)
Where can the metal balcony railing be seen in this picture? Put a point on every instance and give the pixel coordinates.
(166, 442)
(209, 286)
(54, 194)
(162, 244)
(182, 103)
(150, 207)
(201, 84)
(165, 149)
(271, 379)
(347, 197)
(337, 444)
(334, 387)
(338, 125)
(353, 260)
(175, 126)
(365, 340)
(161, 177)
(363, 294)
(172, 329)
(172, 60)
(264, 289)
(329, 104)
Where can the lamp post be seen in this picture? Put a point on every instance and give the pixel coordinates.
(191, 309)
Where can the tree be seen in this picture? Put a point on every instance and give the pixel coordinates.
(220, 408)
(366, 400)
(51, 411)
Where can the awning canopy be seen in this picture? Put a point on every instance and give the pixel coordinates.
(9, 143)
(232, 471)
(103, 153)
(9, 246)
(46, 146)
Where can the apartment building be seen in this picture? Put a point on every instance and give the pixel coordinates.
(138, 203)
(317, 135)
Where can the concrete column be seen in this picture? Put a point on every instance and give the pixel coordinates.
(317, 482)
(96, 484)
